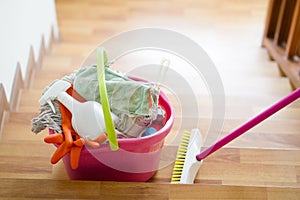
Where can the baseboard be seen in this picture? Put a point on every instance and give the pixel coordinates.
(19, 83)
(4, 106)
(31, 65)
(41, 53)
(53, 39)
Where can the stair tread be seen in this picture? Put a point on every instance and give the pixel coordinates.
(228, 165)
(73, 49)
(59, 62)
(43, 78)
(267, 156)
(244, 166)
(277, 166)
(29, 100)
(111, 190)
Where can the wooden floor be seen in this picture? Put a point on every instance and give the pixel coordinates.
(262, 164)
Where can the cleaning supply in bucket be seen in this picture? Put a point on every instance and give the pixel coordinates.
(70, 141)
(49, 117)
(87, 129)
(134, 102)
(136, 160)
(151, 130)
(144, 105)
(188, 161)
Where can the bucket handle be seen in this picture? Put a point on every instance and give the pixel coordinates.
(109, 124)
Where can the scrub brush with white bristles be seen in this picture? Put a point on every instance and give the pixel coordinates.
(186, 165)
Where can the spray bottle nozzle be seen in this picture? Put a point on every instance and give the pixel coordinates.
(52, 93)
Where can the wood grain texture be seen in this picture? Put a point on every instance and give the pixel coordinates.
(282, 43)
(291, 69)
(61, 189)
(262, 164)
(292, 46)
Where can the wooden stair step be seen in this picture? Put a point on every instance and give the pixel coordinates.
(96, 13)
(227, 166)
(22, 132)
(272, 160)
(263, 163)
(247, 106)
(242, 84)
(245, 85)
(82, 33)
(236, 106)
(20, 117)
(73, 49)
(62, 189)
(269, 126)
(17, 148)
(259, 100)
(18, 128)
(270, 70)
(29, 101)
(276, 134)
(262, 85)
(83, 37)
(286, 113)
(43, 78)
(25, 159)
(266, 140)
(59, 62)
(241, 166)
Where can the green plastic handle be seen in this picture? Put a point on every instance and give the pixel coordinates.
(110, 128)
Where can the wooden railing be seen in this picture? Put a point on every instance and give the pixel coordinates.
(282, 37)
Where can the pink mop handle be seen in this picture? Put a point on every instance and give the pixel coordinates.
(250, 124)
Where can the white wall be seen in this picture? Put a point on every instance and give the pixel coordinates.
(23, 22)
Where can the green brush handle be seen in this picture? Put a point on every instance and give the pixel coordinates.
(110, 128)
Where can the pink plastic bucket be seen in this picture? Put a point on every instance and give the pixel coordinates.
(136, 160)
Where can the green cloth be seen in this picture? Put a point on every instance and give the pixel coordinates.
(125, 95)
